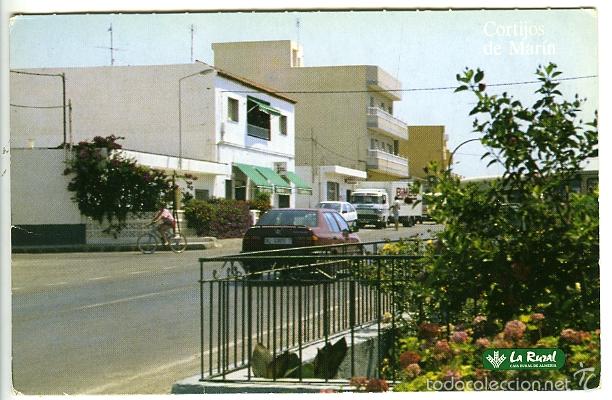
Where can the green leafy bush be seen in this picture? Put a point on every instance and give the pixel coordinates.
(525, 243)
(261, 202)
(222, 218)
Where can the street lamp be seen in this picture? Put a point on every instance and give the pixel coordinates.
(450, 159)
(202, 72)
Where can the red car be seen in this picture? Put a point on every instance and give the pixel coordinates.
(298, 227)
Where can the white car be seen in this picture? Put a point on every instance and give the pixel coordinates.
(344, 208)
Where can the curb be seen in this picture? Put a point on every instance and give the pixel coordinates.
(99, 248)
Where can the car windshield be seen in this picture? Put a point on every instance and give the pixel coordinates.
(367, 199)
(333, 206)
(289, 217)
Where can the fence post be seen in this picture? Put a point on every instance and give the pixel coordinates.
(249, 326)
(201, 321)
(352, 322)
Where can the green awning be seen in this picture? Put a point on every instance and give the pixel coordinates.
(256, 177)
(263, 107)
(280, 185)
(301, 186)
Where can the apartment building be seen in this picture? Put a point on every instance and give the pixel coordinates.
(425, 143)
(345, 128)
(235, 135)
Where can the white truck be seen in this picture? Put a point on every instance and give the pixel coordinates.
(373, 201)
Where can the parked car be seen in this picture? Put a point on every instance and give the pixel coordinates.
(284, 228)
(346, 209)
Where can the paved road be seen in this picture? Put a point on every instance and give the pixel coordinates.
(113, 323)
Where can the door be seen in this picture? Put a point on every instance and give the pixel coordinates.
(283, 201)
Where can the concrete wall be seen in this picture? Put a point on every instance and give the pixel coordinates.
(137, 102)
(425, 144)
(39, 188)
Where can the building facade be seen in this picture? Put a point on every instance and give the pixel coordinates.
(345, 127)
(236, 136)
(425, 143)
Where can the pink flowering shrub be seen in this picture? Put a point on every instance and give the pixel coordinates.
(459, 358)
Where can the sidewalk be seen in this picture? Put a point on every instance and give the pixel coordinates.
(193, 243)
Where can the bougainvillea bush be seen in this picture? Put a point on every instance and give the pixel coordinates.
(435, 356)
(108, 186)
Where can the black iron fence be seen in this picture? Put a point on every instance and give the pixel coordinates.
(302, 296)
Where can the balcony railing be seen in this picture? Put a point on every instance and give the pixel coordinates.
(387, 163)
(258, 132)
(383, 122)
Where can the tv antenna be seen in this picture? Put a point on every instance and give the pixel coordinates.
(111, 48)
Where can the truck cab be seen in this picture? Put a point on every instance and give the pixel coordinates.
(372, 207)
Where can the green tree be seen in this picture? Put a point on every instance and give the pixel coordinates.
(525, 242)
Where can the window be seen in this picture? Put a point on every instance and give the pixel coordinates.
(232, 109)
(371, 101)
(389, 148)
(201, 194)
(333, 189)
(373, 144)
(282, 122)
(332, 224)
(341, 223)
(258, 121)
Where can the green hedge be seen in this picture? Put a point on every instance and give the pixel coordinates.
(220, 218)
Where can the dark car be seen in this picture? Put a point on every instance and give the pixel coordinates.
(284, 228)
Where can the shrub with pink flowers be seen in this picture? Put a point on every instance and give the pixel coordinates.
(460, 358)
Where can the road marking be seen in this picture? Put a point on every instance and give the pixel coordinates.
(98, 278)
(126, 299)
(167, 268)
(137, 272)
(56, 284)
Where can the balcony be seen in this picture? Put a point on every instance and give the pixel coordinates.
(380, 81)
(386, 124)
(387, 163)
(258, 132)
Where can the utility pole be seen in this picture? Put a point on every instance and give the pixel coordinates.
(191, 43)
(111, 45)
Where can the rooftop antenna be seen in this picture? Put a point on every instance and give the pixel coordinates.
(191, 43)
(297, 25)
(111, 48)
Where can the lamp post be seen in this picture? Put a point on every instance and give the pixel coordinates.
(202, 72)
(452, 154)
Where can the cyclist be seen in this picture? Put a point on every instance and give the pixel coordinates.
(167, 222)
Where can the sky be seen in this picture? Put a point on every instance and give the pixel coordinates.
(423, 49)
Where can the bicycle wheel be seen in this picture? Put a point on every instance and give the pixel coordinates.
(147, 243)
(178, 243)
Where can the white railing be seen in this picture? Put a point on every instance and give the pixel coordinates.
(383, 155)
(380, 119)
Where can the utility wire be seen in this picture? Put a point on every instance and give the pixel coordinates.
(24, 106)
(408, 89)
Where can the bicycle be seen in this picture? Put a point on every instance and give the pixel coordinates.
(147, 242)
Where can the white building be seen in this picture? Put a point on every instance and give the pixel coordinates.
(235, 135)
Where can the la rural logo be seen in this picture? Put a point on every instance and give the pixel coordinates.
(507, 359)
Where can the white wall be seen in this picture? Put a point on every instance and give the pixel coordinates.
(39, 189)
(138, 102)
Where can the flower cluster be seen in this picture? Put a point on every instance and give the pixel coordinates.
(459, 337)
(409, 357)
(362, 383)
(574, 337)
(429, 330)
(514, 330)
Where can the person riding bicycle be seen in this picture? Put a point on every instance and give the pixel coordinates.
(167, 222)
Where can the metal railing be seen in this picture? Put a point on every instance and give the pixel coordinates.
(258, 132)
(303, 295)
